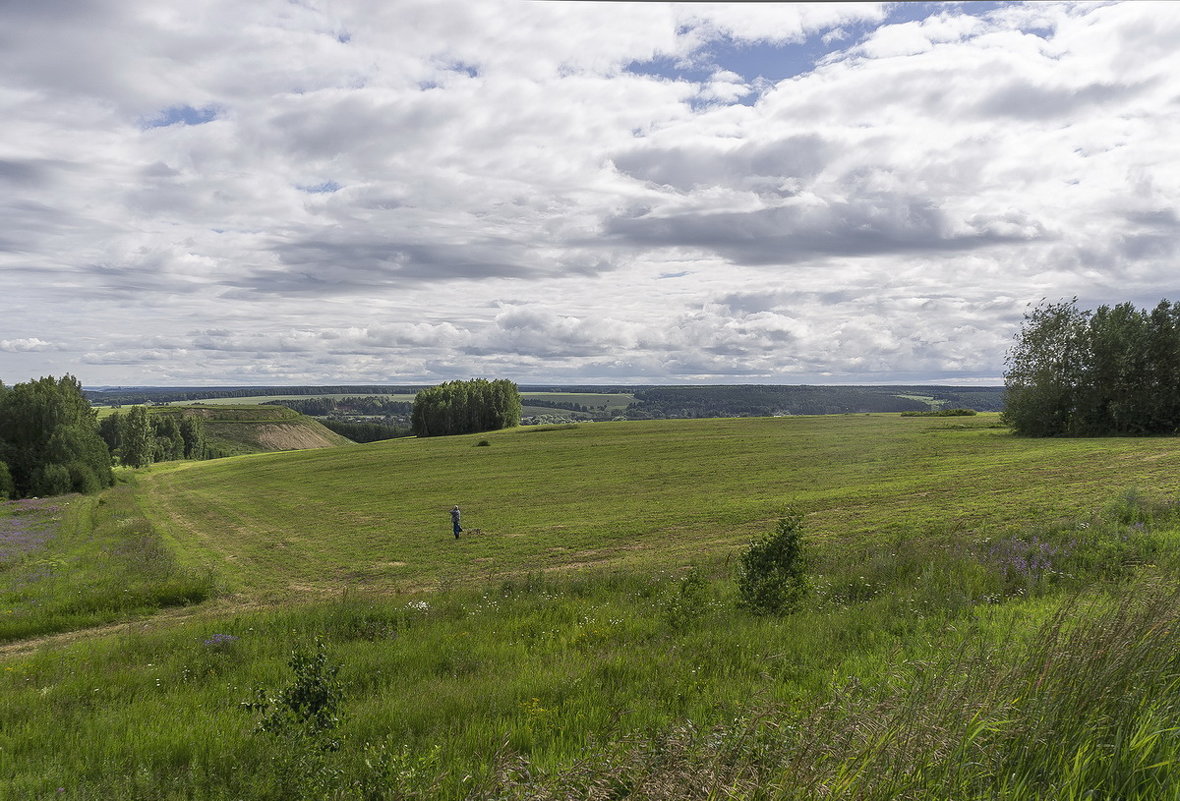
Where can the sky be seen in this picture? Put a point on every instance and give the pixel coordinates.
(280, 192)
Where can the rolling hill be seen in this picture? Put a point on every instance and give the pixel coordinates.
(1008, 601)
(650, 494)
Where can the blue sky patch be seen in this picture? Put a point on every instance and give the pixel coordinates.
(326, 187)
(181, 115)
(777, 61)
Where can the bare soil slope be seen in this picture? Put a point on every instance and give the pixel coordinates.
(256, 429)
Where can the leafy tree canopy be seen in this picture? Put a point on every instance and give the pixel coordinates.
(466, 407)
(1076, 372)
(49, 439)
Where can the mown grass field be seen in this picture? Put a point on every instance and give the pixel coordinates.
(650, 494)
(990, 617)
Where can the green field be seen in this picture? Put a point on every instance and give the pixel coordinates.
(588, 636)
(642, 494)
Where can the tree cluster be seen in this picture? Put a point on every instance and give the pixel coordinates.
(139, 438)
(1113, 371)
(566, 405)
(364, 431)
(49, 442)
(466, 407)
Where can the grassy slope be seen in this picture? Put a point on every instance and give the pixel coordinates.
(554, 666)
(644, 494)
(242, 429)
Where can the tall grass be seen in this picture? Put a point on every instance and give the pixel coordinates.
(87, 561)
(916, 670)
(1085, 708)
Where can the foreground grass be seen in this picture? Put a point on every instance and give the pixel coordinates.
(989, 618)
(70, 563)
(631, 495)
(1038, 664)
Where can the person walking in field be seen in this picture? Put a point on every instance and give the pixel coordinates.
(455, 521)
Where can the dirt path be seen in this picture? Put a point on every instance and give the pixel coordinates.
(167, 617)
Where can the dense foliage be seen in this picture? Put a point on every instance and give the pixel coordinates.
(1075, 372)
(466, 407)
(364, 431)
(139, 438)
(49, 442)
(755, 400)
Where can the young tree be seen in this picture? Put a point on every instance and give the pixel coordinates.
(168, 444)
(1046, 369)
(772, 572)
(110, 428)
(7, 488)
(192, 431)
(138, 439)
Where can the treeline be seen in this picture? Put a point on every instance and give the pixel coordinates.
(139, 438)
(760, 400)
(49, 441)
(322, 407)
(466, 407)
(764, 401)
(981, 399)
(358, 431)
(567, 406)
(1076, 372)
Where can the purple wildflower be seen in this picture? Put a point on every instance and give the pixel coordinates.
(26, 527)
(1023, 559)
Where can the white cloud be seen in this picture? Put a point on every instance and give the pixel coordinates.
(29, 345)
(422, 190)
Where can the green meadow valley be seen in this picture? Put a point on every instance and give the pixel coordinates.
(986, 616)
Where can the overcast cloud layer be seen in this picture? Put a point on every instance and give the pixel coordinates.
(415, 191)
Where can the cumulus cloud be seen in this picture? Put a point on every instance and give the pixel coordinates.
(29, 345)
(371, 191)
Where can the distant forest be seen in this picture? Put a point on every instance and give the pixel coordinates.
(651, 402)
(747, 400)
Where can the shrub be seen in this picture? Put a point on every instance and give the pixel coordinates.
(7, 490)
(82, 478)
(772, 571)
(302, 718)
(50, 479)
(307, 706)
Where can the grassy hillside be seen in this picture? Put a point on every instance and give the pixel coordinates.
(989, 618)
(259, 429)
(236, 428)
(670, 493)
